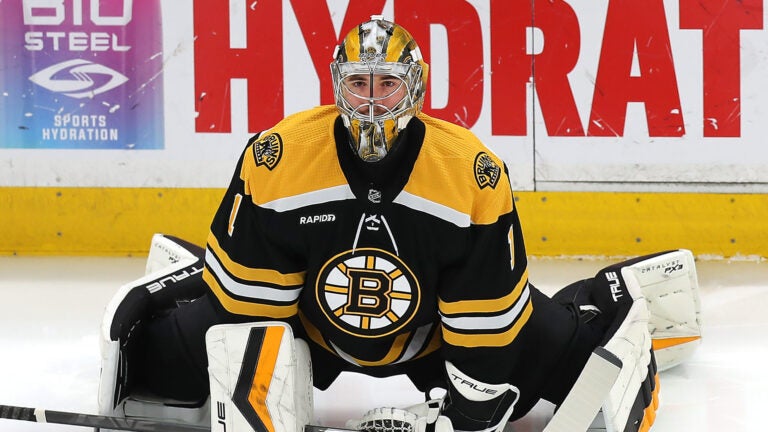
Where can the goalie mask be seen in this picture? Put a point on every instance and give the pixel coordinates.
(379, 79)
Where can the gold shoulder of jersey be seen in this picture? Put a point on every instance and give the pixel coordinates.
(453, 147)
(450, 139)
(457, 170)
(316, 123)
(303, 135)
(296, 156)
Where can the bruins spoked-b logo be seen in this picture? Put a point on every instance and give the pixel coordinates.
(487, 172)
(370, 293)
(268, 150)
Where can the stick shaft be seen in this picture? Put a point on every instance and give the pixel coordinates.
(315, 428)
(90, 420)
(117, 423)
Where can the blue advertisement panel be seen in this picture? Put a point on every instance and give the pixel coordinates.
(81, 74)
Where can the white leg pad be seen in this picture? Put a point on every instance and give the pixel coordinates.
(586, 397)
(632, 346)
(611, 380)
(670, 286)
(260, 378)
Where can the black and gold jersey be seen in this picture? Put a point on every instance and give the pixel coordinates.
(382, 263)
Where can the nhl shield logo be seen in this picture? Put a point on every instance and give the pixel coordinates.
(268, 150)
(487, 172)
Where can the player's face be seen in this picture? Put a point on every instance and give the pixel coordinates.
(385, 92)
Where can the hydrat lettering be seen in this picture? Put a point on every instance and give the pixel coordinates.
(638, 29)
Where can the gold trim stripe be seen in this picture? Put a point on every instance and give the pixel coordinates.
(401, 295)
(233, 214)
(352, 47)
(262, 377)
(336, 289)
(247, 308)
(434, 343)
(659, 344)
(253, 274)
(489, 340)
(485, 306)
(314, 333)
(649, 413)
(394, 353)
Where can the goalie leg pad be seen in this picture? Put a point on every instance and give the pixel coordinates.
(260, 378)
(631, 383)
(630, 402)
(619, 380)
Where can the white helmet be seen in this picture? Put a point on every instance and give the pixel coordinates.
(378, 51)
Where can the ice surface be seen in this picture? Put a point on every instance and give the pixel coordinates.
(51, 307)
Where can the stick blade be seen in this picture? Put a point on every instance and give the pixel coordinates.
(587, 395)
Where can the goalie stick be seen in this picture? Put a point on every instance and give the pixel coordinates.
(117, 423)
(97, 421)
(588, 393)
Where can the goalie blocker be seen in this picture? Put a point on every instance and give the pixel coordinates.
(255, 369)
(172, 278)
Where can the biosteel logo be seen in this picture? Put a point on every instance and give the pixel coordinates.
(63, 29)
(78, 78)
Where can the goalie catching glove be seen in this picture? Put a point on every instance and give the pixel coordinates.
(649, 300)
(425, 417)
(469, 405)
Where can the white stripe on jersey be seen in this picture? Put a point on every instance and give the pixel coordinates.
(418, 342)
(424, 205)
(348, 358)
(490, 322)
(246, 290)
(336, 193)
